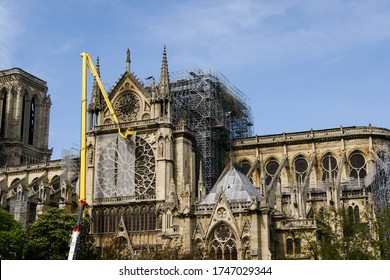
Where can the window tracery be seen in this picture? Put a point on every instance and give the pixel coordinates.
(329, 168)
(135, 218)
(223, 245)
(124, 168)
(301, 166)
(357, 164)
(127, 106)
(270, 169)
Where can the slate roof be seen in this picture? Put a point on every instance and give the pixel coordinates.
(235, 185)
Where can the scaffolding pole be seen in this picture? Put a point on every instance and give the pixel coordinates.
(216, 111)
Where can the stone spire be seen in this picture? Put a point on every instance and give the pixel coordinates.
(98, 66)
(201, 186)
(128, 61)
(164, 77)
(94, 105)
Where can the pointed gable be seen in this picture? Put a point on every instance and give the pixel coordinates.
(236, 187)
(129, 98)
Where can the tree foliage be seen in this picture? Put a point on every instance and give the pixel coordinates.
(12, 237)
(119, 249)
(50, 234)
(341, 238)
(383, 228)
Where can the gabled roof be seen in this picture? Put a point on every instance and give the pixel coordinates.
(121, 80)
(236, 187)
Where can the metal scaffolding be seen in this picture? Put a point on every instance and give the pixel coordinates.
(378, 180)
(216, 111)
(70, 169)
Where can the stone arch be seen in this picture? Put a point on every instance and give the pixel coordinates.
(152, 218)
(4, 98)
(329, 166)
(97, 220)
(14, 185)
(354, 214)
(107, 121)
(106, 219)
(144, 218)
(27, 94)
(245, 165)
(357, 163)
(301, 166)
(55, 183)
(136, 218)
(270, 167)
(246, 246)
(222, 242)
(128, 218)
(34, 186)
(3, 91)
(198, 247)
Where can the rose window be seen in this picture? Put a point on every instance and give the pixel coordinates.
(127, 106)
(124, 168)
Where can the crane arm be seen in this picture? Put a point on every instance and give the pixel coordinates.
(75, 243)
(92, 69)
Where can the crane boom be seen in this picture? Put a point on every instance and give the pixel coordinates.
(95, 74)
(87, 63)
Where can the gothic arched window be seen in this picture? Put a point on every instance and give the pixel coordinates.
(329, 168)
(97, 221)
(3, 112)
(289, 246)
(55, 183)
(31, 122)
(244, 166)
(353, 214)
(136, 219)
(270, 169)
(301, 166)
(23, 116)
(152, 219)
(357, 164)
(223, 245)
(297, 245)
(128, 218)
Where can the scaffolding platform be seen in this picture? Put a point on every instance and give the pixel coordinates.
(215, 110)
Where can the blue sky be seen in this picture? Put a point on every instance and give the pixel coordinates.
(303, 64)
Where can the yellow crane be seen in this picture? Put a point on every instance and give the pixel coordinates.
(88, 64)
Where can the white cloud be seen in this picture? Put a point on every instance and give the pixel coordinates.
(235, 32)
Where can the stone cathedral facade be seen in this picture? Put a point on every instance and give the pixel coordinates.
(152, 191)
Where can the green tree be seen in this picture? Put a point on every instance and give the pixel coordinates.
(50, 234)
(12, 237)
(119, 249)
(340, 238)
(383, 228)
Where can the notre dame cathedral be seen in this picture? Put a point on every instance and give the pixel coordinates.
(193, 176)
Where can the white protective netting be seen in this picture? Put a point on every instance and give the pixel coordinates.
(115, 167)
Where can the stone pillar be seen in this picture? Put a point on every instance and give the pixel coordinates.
(265, 236)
